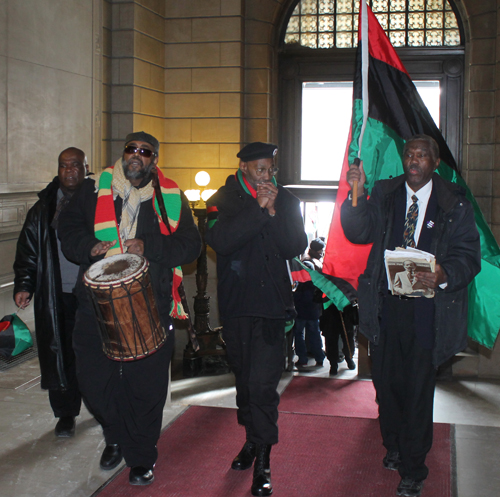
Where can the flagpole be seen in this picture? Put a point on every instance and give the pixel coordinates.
(364, 91)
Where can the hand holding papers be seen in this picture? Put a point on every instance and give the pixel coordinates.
(402, 265)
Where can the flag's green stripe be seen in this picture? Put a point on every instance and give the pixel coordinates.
(484, 305)
(331, 290)
(381, 155)
(381, 150)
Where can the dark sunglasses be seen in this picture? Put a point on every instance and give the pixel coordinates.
(144, 152)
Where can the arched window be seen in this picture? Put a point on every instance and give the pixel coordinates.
(408, 23)
(317, 52)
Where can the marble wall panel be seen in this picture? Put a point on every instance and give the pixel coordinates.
(178, 80)
(55, 34)
(3, 27)
(149, 102)
(54, 113)
(482, 104)
(216, 29)
(216, 130)
(256, 130)
(192, 105)
(149, 49)
(3, 115)
(217, 79)
(228, 157)
(230, 105)
(231, 7)
(178, 30)
(230, 54)
(149, 23)
(186, 8)
(192, 155)
(157, 6)
(192, 55)
(262, 9)
(178, 130)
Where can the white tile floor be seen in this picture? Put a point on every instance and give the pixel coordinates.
(33, 462)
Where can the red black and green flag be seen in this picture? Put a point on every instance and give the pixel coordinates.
(387, 110)
(337, 291)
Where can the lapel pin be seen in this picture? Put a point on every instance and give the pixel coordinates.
(430, 224)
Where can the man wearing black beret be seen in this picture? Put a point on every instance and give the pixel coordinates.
(254, 226)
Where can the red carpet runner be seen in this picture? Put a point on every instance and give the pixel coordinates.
(329, 397)
(318, 456)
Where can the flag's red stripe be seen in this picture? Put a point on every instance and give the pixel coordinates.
(379, 45)
(344, 259)
(301, 276)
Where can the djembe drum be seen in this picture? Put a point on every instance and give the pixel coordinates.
(121, 291)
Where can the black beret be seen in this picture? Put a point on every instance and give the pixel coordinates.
(256, 151)
(142, 136)
(317, 245)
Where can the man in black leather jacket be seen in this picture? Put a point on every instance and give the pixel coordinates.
(42, 270)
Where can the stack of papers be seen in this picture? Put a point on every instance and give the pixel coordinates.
(401, 265)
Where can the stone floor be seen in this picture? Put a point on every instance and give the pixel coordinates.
(33, 462)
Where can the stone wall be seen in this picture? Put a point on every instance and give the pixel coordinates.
(198, 74)
(50, 99)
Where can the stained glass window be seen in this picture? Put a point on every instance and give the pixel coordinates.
(408, 23)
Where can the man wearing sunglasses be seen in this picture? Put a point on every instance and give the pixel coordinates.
(127, 397)
(255, 225)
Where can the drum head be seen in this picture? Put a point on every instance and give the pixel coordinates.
(115, 270)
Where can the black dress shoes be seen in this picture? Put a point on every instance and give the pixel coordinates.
(261, 484)
(350, 363)
(392, 460)
(410, 488)
(111, 457)
(244, 459)
(65, 427)
(140, 476)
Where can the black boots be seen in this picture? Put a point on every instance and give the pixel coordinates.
(261, 484)
(111, 457)
(65, 427)
(244, 459)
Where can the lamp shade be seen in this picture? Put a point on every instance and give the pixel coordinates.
(202, 178)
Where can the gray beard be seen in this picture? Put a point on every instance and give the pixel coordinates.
(141, 174)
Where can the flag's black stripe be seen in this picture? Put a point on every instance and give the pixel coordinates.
(395, 101)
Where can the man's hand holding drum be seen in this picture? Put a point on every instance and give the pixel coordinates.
(101, 248)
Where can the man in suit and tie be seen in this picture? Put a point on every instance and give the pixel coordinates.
(410, 337)
(404, 280)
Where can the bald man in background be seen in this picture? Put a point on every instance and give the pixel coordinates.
(41, 269)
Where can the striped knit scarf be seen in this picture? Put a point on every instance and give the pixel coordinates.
(240, 178)
(213, 212)
(112, 183)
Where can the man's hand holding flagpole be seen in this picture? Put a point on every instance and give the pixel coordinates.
(356, 176)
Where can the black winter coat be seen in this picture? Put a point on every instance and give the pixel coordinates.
(76, 232)
(37, 272)
(455, 244)
(252, 251)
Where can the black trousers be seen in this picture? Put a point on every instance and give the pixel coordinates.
(67, 402)
(127, 398)
(404, 379)
(255, 353)
(331, 328)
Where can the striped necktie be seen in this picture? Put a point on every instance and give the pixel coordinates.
(411, 223)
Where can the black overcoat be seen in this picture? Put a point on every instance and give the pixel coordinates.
(252, 251)
(37, 272)
(455, 244)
